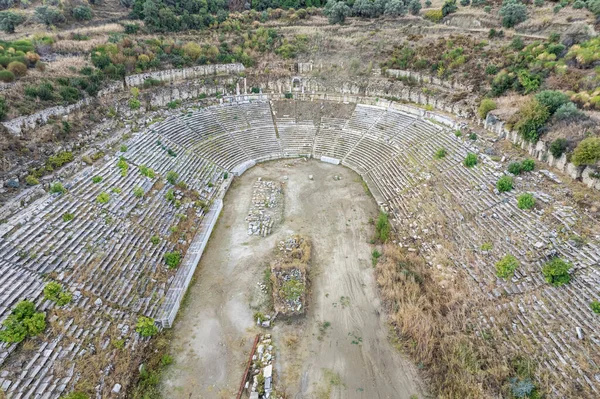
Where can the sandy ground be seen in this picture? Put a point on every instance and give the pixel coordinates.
(341, 348)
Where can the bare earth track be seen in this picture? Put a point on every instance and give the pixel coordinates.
(351, 357)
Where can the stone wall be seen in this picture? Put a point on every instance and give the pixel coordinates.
(541, 152)
(171, 75)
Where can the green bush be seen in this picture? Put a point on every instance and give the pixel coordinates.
(172, 177)
(146, 171)
(433, 15)
(138, 191)
(568, 112)
(3, 108)
(6, 76)
(552, 99)
(69, 94)
(96, 179)
(54, 292)
(154, 240)
(513, 13)
(504, 184)
(146, 327)
(103, 198)
(525, 201)
(594, 6)
(383, 227)
(58, 160)
(470, 160)
(123, 148)
(532, 117)
(441, 153)
(578, 4)
(515, 168)
(172, 259)
(336, 11)
(556, 272)
(31, 180)
(57, 188)
(485, 107)
(67, 217)
(414, 7)
(595, 305)
(558, 147)
(23, 322)
(10, 20)
(48, 15)
(82, 13)
(17, 68)
(528, 165)
(506, 266)
(587, 152)
(134, 104)
(75, 395)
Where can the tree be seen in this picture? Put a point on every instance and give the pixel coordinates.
(336, 11)
(395, 8)
(513, 13)
(150, 14)
(365, 8)
(48, 15)
(414, 7)
(82, 13)
(10, 20)
(552, 99)
(532, 117)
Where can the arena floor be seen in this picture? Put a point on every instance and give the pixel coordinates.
(352, 358)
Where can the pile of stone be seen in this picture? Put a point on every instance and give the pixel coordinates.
(265, 209)
(289, 276)
(261, 369)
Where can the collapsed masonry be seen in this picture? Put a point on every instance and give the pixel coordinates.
(289, 276)
(266, 208)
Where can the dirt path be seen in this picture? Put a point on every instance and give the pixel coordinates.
(340, 350)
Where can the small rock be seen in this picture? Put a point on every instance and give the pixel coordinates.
(310, 177)
(117, 388)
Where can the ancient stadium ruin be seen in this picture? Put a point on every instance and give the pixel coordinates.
(124, 238)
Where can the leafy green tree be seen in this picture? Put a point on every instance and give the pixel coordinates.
(513, 13)
(449, 7)
(336, 11)
(587, 152)
(10, 20)
(395, 8)
(82, 13)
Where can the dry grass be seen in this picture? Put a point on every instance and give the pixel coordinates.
(78, 46)
(434, 324)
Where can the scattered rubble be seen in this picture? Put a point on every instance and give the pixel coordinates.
(265, 209)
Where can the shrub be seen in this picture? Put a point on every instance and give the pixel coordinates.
(3, 107)
(172, 259)
(82, 13)
(579, 4)
(54, 292)
(465, 3)
(487, 9)
(123, 148)
(433, 15)
(556, 272)
(57, 188)
(595, 305)
(146, 327)
(441, 153)
(10, 20)
(48, 15)
(470, 160)
(552, 99)
(382, 227)
(414, 7)
(594, 6)
(557, 8)
(558, 147)
(515, 168)
(513, 13)
(154, 240)
(532, 117)
(449, 7)
(528, 165)
(485, 107)
(587, 152)
(31, 180)
(138, 192)
(506, 266)
(67, 217)
(75, 395)
(69, 94)
(568, 112)
(146, 171)
(504, 184)
(23, 322)
(17, 68)
(172, 177)
(491, 69)
(538, 3)
(134, 104)
(394, 8)
(525, 201)
(103, 198)
(96, 179)
(6, 76)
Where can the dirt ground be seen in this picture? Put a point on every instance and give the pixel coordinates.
(340, 349)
